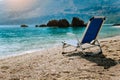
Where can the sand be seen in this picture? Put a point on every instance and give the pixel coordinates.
(50, 64)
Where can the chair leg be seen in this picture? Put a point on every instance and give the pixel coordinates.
(63, 46)
(100, 49)
(95, 43)
(82, 50)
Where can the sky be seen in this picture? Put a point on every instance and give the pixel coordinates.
(15, 10)
(11, 10)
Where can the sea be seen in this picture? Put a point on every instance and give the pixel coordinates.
(15, 40)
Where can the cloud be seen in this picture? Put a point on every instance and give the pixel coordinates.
(24, 8)
(28, 9)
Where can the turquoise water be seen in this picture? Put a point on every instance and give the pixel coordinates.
(14, 39)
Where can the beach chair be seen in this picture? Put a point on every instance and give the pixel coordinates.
(89, 37)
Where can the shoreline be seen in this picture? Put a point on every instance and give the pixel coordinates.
(50, 64)
(27, 52)
(19, 54)
(38, 50)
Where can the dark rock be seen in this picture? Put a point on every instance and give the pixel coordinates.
(63, 23)
(42, 25)
(36, 25)
(77, 22)
(52, 23)
(24, 25)
(116, 24)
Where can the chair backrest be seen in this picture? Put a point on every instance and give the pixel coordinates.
(92, 29)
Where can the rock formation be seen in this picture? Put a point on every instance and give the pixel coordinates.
(52, 23)
(63, 23)
(42, 25)
(24, 25)
(77, 22)
(116, 25)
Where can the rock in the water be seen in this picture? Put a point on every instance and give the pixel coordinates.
(116, 24)
(24, 25)
(77, 22)
(52, 23)
(42, 25)
(63, 23)
(36, 25)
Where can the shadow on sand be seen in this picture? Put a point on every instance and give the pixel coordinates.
(100, 59)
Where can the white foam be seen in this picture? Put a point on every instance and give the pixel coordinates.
(116, 26)
(21, 53)
(29, 51)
